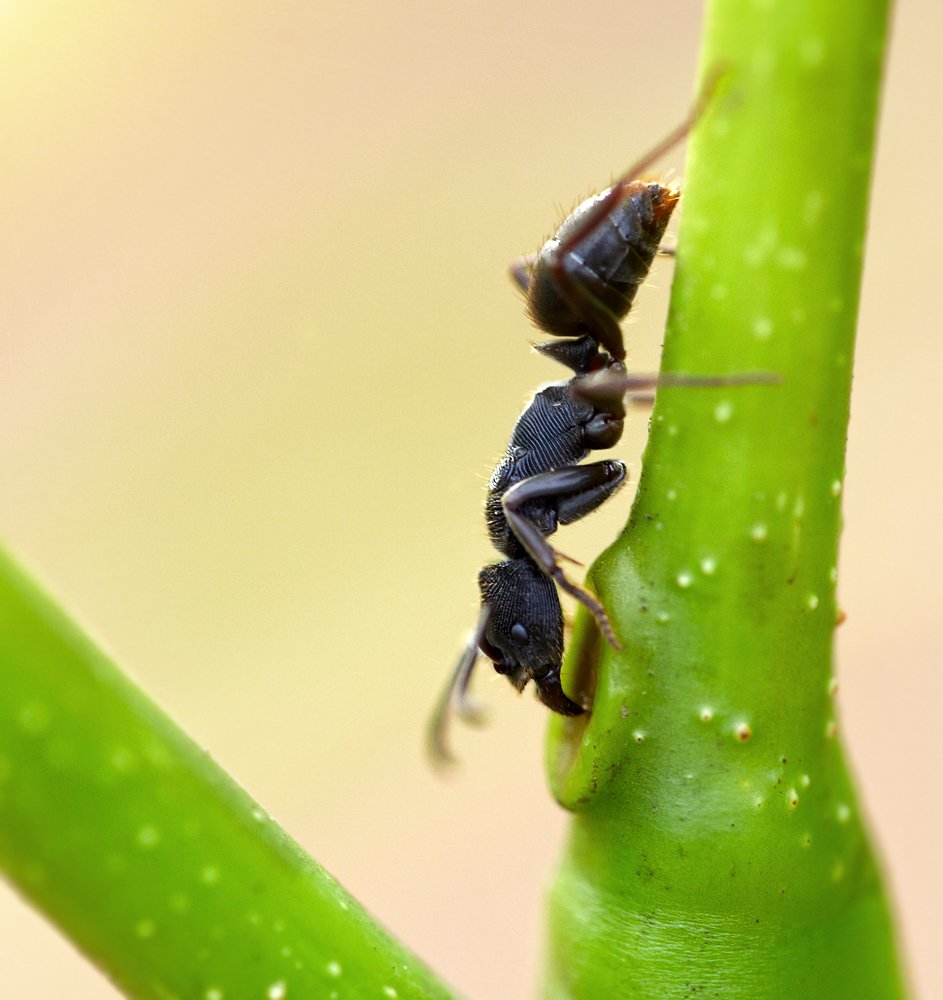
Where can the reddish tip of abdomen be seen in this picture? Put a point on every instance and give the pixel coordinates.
(663, 202)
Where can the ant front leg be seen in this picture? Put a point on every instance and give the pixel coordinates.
(572, 493)
(455, 697)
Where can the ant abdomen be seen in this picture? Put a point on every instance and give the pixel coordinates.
(603, 266)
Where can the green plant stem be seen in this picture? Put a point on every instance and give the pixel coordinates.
(717, 847)
(145, 853)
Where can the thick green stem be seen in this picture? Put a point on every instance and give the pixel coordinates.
(717, 847)
(156, 864)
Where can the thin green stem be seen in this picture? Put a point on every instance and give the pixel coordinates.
(145, 853)
(717, 847)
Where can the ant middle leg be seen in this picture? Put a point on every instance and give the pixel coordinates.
(572, 493)
(605, 388)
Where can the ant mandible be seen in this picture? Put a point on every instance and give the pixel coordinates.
(578, 286)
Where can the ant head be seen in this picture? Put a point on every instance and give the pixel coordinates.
(524, 635)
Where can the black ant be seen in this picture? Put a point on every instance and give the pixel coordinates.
(578, 286)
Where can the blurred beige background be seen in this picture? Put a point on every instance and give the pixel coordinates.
(258, 352)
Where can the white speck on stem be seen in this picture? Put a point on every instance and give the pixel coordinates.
(756, 253)
(720, 126)
(708, 565)
(122, 760)
(812, 208)
(148, 836)
(764, 60)
(723, 411)
(34, 718)
(685, 578)
(145, 928)
(277, 991)
(334, 969)
(762, 327)
(812, 53)
(791, 259)
(210, 874)
(179, 902)
(758, 532)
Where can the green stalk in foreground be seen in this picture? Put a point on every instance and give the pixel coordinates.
(717, 847)
(145, 853)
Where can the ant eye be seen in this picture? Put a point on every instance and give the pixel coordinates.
(519, 633)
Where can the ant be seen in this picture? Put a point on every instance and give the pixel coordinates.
(578, 287)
